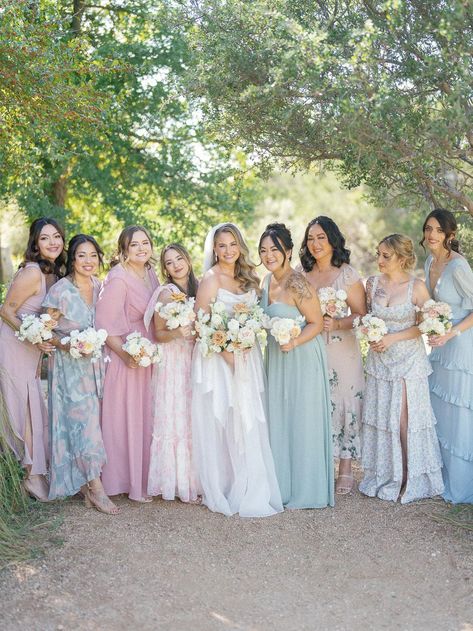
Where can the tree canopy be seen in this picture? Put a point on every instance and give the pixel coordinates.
(379, 90)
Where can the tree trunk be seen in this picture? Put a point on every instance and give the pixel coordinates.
(78, 8)
(58, 192)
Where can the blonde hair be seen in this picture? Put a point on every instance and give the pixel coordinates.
(403, 248)
(244, 269)
(124, 240)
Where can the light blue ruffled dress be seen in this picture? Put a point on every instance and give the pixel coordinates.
(451, 383)
(300, 425)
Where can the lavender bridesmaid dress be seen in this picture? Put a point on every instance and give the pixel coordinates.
(21, 387)
(126, 407)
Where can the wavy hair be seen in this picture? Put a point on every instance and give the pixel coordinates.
(336, 239)
(124, 240)
(32, 253)
(244, 269)
(74, 243)
(193, 283)
(449, 225)
(403, 248)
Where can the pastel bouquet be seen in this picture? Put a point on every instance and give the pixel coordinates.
(36, 328)
(84, 343)
(370, 328)
(142, 350)
(436, 318)
(285, 329)
(333, 302)
(178, 312)
(211, 329)
(246, 327)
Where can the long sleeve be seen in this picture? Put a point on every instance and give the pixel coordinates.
(111, 313)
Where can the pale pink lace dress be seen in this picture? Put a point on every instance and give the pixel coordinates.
(171, 473)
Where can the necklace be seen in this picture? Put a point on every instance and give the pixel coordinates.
(141, 277)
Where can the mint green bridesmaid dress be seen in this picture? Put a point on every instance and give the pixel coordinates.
(299, 411)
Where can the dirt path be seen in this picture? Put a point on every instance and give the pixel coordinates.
(367, 564)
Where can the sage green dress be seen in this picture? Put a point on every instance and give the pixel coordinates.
(299, 416)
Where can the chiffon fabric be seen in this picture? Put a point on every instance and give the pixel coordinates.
(230, 435)
(346, 378)
(300, 426)
(451, 383)
(126, 406)
(77, 453)
(171, 470)
(405, 363)
(20, 386)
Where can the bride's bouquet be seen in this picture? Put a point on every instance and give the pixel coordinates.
(212, 329)
(246, 327)
(178, 312)
(87, 342)
(370, 328)
(437, 318)
(333, 302)
(285, 329)
(142, 350)
(36, 328)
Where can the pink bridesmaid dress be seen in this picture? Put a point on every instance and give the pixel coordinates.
(20, 386)
(126, 406)
(171, 472)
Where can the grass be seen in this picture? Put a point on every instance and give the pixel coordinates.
(459, 515)
(25, 525)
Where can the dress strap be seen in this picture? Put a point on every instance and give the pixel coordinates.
(410, 289)
(265, 296)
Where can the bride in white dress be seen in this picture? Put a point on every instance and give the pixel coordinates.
(229, 428)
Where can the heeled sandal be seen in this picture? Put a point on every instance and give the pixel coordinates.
(344, 488)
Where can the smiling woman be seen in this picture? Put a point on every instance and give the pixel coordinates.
(126, 409)
(19, 381)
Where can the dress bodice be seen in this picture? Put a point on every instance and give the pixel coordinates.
(277, 309)
(76, 313)
(231, 299)
(396, 317)
(454, 286)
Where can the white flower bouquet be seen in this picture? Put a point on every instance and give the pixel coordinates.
(142, 350)
(246, 327)
(436, 318)
(178, 312)
(333, 302)
(370, 328)
(36, 328)
(212, 329)
(87, 342)
(285, 329)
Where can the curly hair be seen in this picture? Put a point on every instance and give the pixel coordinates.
(403, 248)
(244, 269)
(193, 283)
(336, 239)
(32, 253)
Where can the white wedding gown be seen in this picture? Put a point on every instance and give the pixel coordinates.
(229, 430)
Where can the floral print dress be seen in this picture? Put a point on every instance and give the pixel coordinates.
(403, 362)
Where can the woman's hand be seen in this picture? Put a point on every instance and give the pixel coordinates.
(329, 324)
(184, 331)
(46, 347)
(290, 346)
(384, 343)
(440, 340)
(129, 361)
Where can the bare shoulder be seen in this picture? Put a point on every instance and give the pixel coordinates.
(209, 280)
(27, 277)
(299, 286)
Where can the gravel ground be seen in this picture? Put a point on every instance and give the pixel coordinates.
(366, 564)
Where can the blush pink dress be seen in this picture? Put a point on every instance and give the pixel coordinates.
(126, 407)
(20, 387)
(171, 472)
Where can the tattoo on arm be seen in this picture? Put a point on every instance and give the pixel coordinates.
(13, 304)
(298, 285)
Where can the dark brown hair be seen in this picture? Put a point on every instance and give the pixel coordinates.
(193, 283)
(336, 239)
(449, 226)
(32, 253)
(74, 243)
